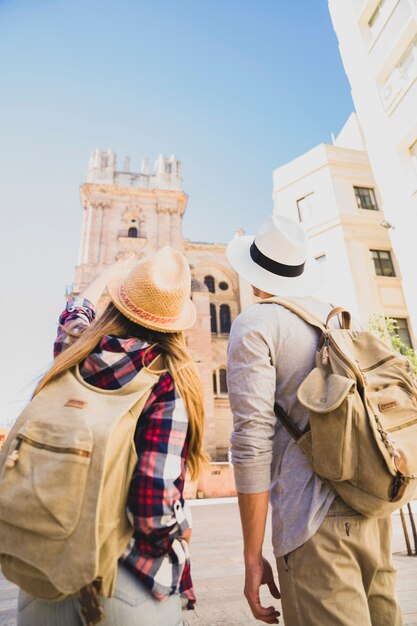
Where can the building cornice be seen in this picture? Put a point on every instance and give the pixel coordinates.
(98, 194)
(198, 245)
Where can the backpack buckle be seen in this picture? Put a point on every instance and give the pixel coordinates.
(91, 608)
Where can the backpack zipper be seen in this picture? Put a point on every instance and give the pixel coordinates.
(355, 370)
(381, 362)
(47, 446)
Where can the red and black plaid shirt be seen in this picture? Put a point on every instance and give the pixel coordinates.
(155, 504)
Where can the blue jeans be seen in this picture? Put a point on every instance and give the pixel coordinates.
(131, 605)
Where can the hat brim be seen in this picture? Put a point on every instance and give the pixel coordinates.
(185, 320)
(307, 284)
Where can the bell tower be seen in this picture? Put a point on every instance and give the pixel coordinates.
(127, 211)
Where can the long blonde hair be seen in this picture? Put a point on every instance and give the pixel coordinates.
(175, 359)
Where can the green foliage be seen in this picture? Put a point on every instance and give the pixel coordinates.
(387, 329)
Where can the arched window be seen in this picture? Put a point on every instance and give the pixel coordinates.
(213, 318)
(209, 282)
(223, 380)
(132, 232)
(214, 382)
(225, 318)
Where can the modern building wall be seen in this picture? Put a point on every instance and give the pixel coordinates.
(378, 45)
(325, 189)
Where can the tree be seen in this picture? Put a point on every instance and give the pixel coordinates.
(387, 329)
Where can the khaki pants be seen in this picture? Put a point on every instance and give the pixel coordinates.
(343, 575)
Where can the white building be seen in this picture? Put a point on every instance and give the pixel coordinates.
(378, 45)
(331, 191)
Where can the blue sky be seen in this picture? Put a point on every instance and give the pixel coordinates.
(234, 88)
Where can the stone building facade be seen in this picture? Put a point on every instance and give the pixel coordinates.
(139, 212)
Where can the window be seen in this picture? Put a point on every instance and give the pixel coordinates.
(219, 381)
(365, 198)
(223, 286)
(408, 62)
(132, 232)
(401, 76)
(380, 15)
(376, 16)
(225, 318)
(209, 283)
(382, 262)
(223, 380)
(413, 153)
(305, 207)
(402, 331)
(213, 318)
(222, 455)
(321, 258)
(215, 382)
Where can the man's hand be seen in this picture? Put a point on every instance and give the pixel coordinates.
(260, 573)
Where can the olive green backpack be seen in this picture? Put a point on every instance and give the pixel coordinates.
(362, 400)
(65, 472)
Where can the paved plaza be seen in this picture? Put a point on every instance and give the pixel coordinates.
(218, 570)
(217, 567)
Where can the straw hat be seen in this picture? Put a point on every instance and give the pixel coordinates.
(276, 260)
(156, 292)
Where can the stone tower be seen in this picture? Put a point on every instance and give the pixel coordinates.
(127, 212)
(139, 212)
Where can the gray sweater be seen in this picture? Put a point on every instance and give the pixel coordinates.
(271, 350)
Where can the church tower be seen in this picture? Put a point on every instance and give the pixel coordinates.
(128, 212)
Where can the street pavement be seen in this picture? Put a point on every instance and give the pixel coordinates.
(217, 567)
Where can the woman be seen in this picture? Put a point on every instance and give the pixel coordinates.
(148, 311)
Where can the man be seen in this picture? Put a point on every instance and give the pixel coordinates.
(334, 565)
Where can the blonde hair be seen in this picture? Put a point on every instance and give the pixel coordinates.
(175, 359)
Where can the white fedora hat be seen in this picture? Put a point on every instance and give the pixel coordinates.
(276, 260)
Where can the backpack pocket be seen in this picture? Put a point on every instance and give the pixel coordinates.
(331, 401)
(47, 478)
(394, 406)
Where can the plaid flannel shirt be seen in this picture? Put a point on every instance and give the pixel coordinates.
(156, 554)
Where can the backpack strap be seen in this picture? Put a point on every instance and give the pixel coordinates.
(307, 316)
(285, 419)
(312, 320)
(298, 309)
(91, 607)
(346, 317)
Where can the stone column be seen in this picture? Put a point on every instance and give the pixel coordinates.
(83, 236)
(97, 218)
(87, 235)
(175, 228)
(164, 231)
(105, 236)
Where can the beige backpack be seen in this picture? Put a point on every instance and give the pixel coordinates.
(65, 472)
(362, 399)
